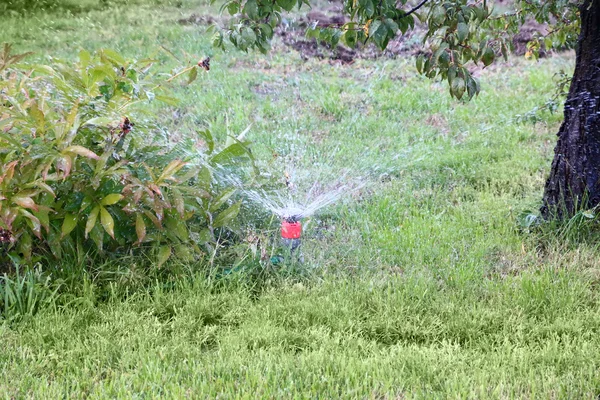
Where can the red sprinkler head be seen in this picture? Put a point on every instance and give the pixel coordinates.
(291, 230)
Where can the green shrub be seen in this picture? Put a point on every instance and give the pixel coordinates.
(82, 172)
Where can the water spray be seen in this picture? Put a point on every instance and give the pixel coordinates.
(291, 212)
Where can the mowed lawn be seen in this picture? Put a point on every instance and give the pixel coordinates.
(422, 284)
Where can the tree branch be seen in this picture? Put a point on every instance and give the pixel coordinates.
(421, 4)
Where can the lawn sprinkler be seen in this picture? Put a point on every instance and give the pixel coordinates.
(291, 233)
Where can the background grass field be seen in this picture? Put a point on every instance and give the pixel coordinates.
(420, 285)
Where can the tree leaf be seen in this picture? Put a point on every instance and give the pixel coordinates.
(462, 31)
(420, 62)
(107, 222)
(350, 38)
(458, 87)
(287, 5)
(488, 56)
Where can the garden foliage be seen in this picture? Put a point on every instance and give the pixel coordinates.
(83, 171)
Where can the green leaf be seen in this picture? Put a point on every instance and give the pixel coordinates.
(69, 223)
(193, 74)
(42, 215)
(100, 121)
(82, 151)
(452, 71)
(420, 61)
(184, 253)
(25, 245)
(287, 5)
(458, 87)
(97, 235)
(248, 37)
(107, 222)
(34, 223)
(251, 9)
(179, 202)
(171, 169)
(350, 38)
(176, 226)
(113, 56)
(488, 56)
(205, 236)
(140, 228)
(172, 101)
(222, 199)
(38, 116)
(226, 216)
(111, 199)
(313, 33)
(368, 7)
(462, 32)
(91, 221)
(25, 202)
(438, 15)
(440, 51)
(84, 58)
(207, 136)
(229, 153)
(392, 26)
(379, 32)
(472, 87)
(164, 252)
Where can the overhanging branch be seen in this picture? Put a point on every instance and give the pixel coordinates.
(421, 4)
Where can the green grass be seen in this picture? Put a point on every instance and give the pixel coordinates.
(419, 285)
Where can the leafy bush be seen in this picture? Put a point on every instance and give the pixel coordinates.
(82, 172)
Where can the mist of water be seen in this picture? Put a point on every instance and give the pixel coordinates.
(295, 203)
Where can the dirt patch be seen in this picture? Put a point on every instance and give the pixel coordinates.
(293, 35)
(439, 123)
(196, 19)
(527, 33)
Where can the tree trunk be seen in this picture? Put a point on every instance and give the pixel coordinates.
(574, 181)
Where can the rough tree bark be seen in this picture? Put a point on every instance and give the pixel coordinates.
(574, 181)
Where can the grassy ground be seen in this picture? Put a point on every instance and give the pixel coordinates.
(421, 284)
